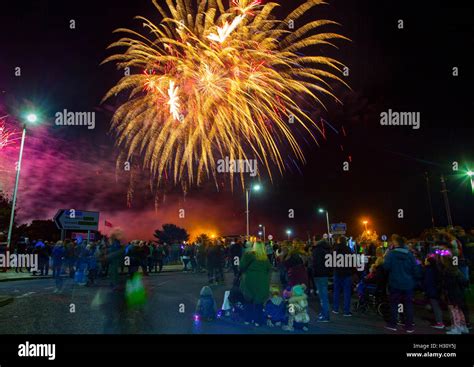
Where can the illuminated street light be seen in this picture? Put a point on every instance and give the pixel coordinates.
(263, 230)
(470, 174)
(321, 210)
(256, 188)
(31, 118)
(289, 232)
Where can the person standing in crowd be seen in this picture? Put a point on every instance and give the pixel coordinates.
(401, 267)
(295, 267)
(158, 255)
(186, 256)
(91, 255)
(200, 257)
(255, 271)
(270, 253)
(220, 262)
(43, 257)
(142, 253)
(343, 279)
(70, 258)
(211, 262)
(149, 258)
(115, 257)
(58, 256)
(432, 288)
(453, 285)
(321, 274)
(281, 254)
(235, 256)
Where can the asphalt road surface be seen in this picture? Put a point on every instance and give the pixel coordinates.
(172, 299)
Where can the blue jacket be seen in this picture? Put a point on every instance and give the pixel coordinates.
(276, 312)
(402, 269)
(58, 255)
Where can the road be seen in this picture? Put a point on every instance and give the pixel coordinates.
(172, 299)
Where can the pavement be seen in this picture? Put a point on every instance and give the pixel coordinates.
(172, 298)
(12, 275)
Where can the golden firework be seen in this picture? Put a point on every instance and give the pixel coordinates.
(210, 82)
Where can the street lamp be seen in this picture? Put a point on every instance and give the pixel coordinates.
(30, 118)
(263, 230)
(321, 210)
(470, 174)
(289, 232)
(256, 188)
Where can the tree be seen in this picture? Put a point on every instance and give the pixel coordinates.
(171, 234)
(40, 229)
(203, 238)
(5, 212)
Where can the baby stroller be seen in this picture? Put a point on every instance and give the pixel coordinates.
(370, 298)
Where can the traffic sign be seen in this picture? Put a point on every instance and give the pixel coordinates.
(338, 228)
(270, 237)
(384, 238)
(78, 220)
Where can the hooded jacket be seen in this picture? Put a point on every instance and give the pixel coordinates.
(402, 269)
(319, 253)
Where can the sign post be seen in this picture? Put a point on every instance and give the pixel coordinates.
(338, 228)
(76, 220)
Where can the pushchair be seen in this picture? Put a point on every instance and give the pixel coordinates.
(371, 298)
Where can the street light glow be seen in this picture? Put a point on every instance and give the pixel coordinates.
(321, 210)
(32, 117)
(470, 173)
(257, 187)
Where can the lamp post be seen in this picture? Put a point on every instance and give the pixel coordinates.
(263, 231)
(30, 118)
(321, 210)
(470, 174)
(255, 188)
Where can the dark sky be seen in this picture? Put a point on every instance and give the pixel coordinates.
(403, 70)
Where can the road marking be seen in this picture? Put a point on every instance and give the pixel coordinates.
(162, 283)
(49, 287)
(26, 295)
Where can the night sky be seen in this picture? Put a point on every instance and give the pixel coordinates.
(406, 70)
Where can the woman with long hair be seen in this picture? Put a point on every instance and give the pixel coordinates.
(255, 271)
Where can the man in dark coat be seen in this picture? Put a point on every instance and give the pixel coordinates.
(321, 274)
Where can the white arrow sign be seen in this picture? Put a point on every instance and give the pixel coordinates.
(80, 220)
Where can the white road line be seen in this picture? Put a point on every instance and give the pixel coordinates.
(26, 295)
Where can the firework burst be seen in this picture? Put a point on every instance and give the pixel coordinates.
(211, 81)
(7, 137)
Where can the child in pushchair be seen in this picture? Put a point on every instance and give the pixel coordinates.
(370, 294)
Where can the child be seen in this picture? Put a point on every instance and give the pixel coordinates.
(298, 309)
(432, 289)
(237, 302)
(206, 307)
(275, 308)
(454, 283)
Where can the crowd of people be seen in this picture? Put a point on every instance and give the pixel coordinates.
(435, 268)
(273, 281)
